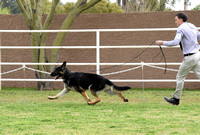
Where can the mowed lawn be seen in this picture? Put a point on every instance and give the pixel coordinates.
(29, 112)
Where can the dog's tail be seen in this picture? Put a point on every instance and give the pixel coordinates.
(123, 88)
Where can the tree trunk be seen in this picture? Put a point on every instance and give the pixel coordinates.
(45, 85)
(185, 4)
(33, 12)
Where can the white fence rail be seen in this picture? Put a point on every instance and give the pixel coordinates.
(140, 65)
(97, 47)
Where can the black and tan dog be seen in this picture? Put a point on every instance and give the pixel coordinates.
(81, 82)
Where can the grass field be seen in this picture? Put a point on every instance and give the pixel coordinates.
(25, 112)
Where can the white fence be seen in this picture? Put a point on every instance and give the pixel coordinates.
(97, 47)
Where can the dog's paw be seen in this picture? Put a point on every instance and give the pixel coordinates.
(90, 103)
(51, 98)
(125, 100)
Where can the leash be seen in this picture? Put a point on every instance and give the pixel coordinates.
(161, 51)
(163, 56)
(127, 61)
(164, 59)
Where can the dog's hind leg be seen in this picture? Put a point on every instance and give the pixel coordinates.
(85, 96)
(63, 92)
(97, 98)
(122, 97)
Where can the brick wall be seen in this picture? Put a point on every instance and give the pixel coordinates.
(101, 21)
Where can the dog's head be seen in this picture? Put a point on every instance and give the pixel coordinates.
(60, 71)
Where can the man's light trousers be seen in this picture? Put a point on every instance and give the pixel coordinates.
(190, 63)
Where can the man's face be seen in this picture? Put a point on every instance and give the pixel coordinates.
(178, 21)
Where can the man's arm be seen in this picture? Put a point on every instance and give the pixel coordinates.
(198, 35)
(174, 42)
(159, 42)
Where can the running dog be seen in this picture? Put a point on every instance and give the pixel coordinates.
(81, 82)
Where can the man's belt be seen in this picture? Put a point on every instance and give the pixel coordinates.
(189, 54)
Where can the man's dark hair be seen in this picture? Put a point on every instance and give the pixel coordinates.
(182, 16)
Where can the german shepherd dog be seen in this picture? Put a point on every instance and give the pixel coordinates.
(81, 82)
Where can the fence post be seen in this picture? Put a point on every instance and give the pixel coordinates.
(97, 52)
(0, 61)
(142, 63)
(24, 69)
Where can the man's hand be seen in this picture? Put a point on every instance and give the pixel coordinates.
(159, 42)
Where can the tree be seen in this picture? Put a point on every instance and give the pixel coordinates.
(32, 12)
(148, 5)
(143, 6)
(104, 7)
(122, 3)
(11, 5)
(4, 11)
(197, 7)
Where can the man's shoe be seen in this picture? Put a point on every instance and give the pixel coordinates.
(172, 101)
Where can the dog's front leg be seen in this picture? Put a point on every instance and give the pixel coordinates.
(63, 92)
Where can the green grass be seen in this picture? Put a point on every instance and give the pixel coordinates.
(29, 112)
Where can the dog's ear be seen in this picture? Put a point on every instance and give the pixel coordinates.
(64, 64)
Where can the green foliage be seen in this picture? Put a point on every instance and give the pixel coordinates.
(114, 8)
(11, 5)
(102, 7)
(46, 6)
(4, 11)
(60, 9)
(197, 7)
(68, 7)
